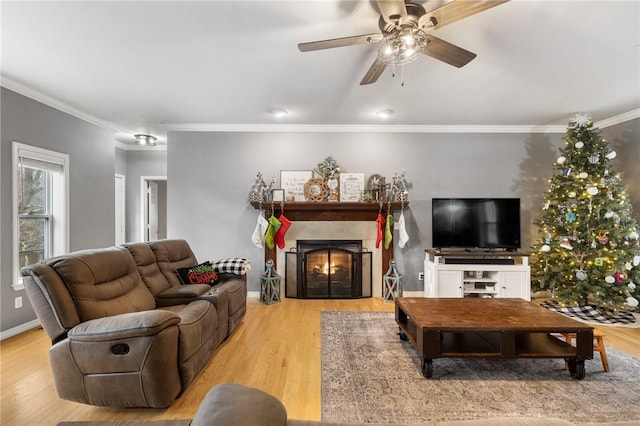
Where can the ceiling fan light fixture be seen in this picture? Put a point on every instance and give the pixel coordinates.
(402, 46)
(145, 140)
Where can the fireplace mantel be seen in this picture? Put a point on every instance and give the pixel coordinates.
(329, 211)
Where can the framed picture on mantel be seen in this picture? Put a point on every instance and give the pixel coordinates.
(292, 182)
(351, 186)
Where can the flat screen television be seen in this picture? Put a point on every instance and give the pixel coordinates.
(476, 223)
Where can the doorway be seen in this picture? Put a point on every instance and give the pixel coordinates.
(154, 207)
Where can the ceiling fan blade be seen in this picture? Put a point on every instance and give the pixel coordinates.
(456, 10)
(447, 52)
(395, 8)
(339, 42)
(375, 71)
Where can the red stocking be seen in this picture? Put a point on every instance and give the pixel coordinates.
(279, 238)
(380, 221)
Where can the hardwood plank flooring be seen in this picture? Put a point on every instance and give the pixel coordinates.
(276, 348)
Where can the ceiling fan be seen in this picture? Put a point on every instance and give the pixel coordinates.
(404, 34)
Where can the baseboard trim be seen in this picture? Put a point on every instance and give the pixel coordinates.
(418, 293)
(19, 329)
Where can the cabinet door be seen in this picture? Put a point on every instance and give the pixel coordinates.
(450, 283)
(514, 284)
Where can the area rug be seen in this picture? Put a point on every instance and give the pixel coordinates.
(369, 375)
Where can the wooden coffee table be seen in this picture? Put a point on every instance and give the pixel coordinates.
(491, 327)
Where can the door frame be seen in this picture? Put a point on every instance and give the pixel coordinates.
(121, 209)
(143, 203)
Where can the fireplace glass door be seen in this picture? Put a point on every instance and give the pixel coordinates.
(328, 269)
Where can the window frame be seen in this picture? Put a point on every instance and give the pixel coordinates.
(58, 203)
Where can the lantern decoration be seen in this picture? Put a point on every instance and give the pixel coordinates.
(392, 283)
(270, 284)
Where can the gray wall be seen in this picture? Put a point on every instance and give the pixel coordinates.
(210, 175)
(91, 175)
(135, 164)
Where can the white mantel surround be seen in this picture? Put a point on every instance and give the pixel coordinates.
(335, 230)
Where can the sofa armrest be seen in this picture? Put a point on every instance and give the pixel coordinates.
(238, 405)
(124, 326)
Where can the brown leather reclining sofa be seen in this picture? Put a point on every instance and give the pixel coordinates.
(125, 331)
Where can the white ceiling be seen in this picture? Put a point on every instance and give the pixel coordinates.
(151, 65)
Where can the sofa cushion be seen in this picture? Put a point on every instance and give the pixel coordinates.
(232, 265)
(148, 268)
(238, 405)
(103, 282)
(171, 255)
(202, 273)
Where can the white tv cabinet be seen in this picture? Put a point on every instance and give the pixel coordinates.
(456, 274)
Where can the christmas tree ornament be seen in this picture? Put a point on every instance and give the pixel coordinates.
(581, 275)
(632, 302)
(628, 266)
(594, 158)
(565, 243)
(598, 261)
(631, 285)
(613, 244)
(561, 159)
(621, 276)
(608, 214)
(609, 279)
(603, 237)
(579, 144)
(579, 120)
(572, 194)
(570, 216)
(583, 175)
(546, 248)
(611, 155)
(566, 171)
(592, 190)
(636, 260)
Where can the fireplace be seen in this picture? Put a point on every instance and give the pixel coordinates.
(328, 269)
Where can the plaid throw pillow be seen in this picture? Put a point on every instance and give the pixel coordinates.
(232, 265)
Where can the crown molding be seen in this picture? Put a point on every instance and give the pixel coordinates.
(55, 103)
(303, 128)
(364, 128)
(617, 119)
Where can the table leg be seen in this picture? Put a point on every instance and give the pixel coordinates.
(427, 368)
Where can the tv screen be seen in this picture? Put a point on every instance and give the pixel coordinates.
(484, 223)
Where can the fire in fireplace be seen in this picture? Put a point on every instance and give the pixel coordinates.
(322, 269)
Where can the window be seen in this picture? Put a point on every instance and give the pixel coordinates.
(40, 206)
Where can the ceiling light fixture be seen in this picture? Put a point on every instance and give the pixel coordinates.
(278, 112)
(402, 46)
(145, 140)
(385, 113)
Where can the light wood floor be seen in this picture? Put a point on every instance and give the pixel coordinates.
(276, 348)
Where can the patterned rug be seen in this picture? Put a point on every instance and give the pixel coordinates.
(370, 375)
(591, 313)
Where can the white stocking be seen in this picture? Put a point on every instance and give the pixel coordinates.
(402, 231)
(261, 228)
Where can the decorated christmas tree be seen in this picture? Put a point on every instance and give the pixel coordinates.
(588, 252)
